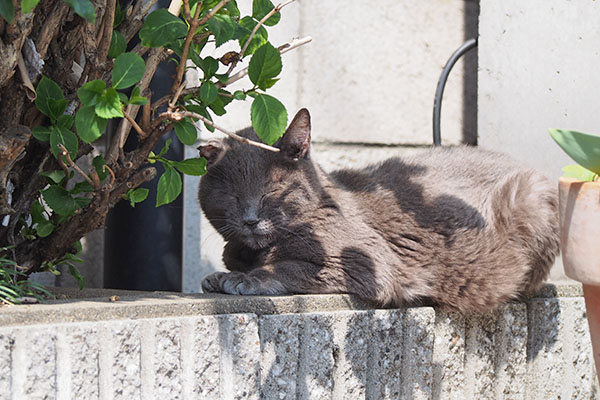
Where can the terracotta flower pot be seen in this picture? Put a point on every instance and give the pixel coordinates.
(580, 245)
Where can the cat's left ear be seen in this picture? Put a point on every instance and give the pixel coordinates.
(295, 142)
(213, 151)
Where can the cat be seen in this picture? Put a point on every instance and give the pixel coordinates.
(461, 227)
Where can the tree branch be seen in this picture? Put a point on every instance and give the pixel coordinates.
(256, 28)
(65, 153)
(179, 115)
(109, 17)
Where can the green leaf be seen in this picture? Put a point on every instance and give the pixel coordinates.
(59, 200)
(269, 118)
(56, 176)
(65, 121)
(165, 148)
(77, 275)
(42, 133)
(202, 111)
(136, 98)
(218, 106)
(117, 45)
(581, 147)
(44, 228)
(580, 173)
(208, 92)
(169, 186)
(123, 97)
(50, 99)
(128, 70)
(264, 66)
(232, 8)
(191, 166)
(81, 187)
(209, 66)
(119, 15)
(28, 5)
(223, 28)
(83, 8)
(89, 126)
(7, 10)
(186, 131)
(260, 8)
(161, 28)
(239, 95)
(244, 28)
(66, 138)
(82, 202)
(90, 93)
(37, 212)
(98, 162)
(136, 195)
(109, 105)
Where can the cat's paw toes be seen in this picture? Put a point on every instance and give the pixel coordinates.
(210, 284)
(240, 283)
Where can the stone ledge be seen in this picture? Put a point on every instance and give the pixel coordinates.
(73, 305)
(165, 345)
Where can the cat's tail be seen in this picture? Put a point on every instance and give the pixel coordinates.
(525, 209)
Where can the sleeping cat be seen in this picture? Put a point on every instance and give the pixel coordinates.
(460, 227)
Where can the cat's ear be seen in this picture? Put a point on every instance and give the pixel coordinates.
(213, 151)
(295, 143)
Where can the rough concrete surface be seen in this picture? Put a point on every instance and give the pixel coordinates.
(274, 348)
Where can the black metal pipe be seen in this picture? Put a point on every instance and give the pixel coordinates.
(439, 91)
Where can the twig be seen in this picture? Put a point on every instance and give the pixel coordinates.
(29, 89)
(146, 113)
(156, 56)
(133, 24)
(282, 49)
(256, 28)
(213, 11)
(109, 17)
(186, 9)
(139, 130)
(176, 96)
(178, 116)
(194, 24)
(64, 153)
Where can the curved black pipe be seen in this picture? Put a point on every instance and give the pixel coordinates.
(439, 92)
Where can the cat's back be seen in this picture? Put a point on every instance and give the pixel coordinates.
(468, 173)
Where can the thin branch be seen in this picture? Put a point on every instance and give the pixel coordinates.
(29, 89)
(132, 25)
(194, 24)
(64, 153)
(256, 28)
(282, 49)
(178, 116)
(213, 11)
(156, 56)
(176, 96)
(139, 130)
(109, 17)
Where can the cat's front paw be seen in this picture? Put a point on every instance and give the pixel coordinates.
(243, 284)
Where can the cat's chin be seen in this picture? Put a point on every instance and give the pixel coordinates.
(257, 242)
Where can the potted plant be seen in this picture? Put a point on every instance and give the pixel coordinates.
(579, 205)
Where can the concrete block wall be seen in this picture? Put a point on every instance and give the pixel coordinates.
(304, 347)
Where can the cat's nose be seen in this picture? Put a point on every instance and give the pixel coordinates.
(251, 222)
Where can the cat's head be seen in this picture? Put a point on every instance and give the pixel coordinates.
(252, 195)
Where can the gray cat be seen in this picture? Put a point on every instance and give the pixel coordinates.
(460, 227)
